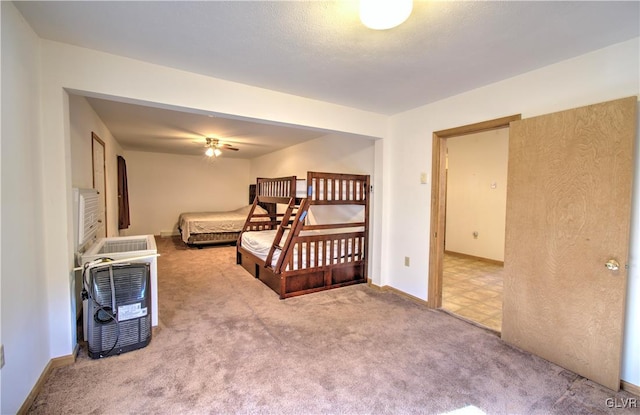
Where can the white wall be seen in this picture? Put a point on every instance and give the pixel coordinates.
(161, 186)
(24, 303)
(477, 193)
(83, 121)
(331, 153)
(599, 76)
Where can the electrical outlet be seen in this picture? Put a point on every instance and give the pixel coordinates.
(407, 261)
(1, 356)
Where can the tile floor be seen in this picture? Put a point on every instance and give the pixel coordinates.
(472, 289)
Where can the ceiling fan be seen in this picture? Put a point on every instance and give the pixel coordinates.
(215, 148)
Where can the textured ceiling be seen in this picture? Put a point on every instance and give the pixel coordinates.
(138, 127)
(320, 50)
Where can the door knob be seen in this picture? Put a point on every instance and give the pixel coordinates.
(612, 265)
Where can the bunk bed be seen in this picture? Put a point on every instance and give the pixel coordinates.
(319, 242)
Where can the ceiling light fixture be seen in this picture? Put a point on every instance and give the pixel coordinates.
(384, 14)
(214, 147)
(212, 151)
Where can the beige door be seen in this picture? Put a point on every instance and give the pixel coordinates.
(568, 212)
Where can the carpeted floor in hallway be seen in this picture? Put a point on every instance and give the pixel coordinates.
(227, 344)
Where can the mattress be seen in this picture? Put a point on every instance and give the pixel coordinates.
(191, 223)
(301, 188)
(259, 244)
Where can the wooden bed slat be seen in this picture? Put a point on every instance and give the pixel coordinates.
(273, 199)
(334, 226)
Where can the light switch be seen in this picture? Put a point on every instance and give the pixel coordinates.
(423, 178)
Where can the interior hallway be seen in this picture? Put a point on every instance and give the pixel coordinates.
(472, 289)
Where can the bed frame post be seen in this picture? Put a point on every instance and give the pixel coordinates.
(367, 197)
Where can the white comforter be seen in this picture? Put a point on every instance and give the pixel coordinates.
(259, 243)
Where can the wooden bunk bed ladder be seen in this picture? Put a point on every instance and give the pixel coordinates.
(286, 224)
(294, 229)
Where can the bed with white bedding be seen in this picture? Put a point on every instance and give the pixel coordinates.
(214, 227)
(327, 252)
(318, 243)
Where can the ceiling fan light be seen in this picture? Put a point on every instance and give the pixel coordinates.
(384, 14)
(217, 152)
(209, 152)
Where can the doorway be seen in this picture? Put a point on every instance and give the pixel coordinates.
(568, 211)
(439, 197)
(475, 213)
(100, 180)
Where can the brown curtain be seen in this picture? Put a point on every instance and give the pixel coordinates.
(123, 195)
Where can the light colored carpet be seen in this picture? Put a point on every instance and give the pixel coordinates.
(227, 344)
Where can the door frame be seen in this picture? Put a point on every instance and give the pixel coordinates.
(95, 142)
(438, 189)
